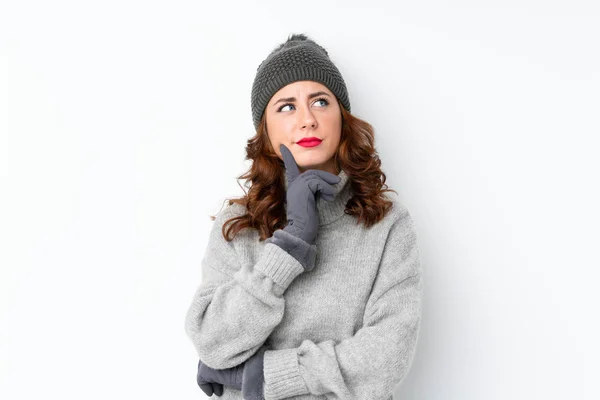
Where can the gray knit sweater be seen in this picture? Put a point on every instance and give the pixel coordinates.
(347, 329)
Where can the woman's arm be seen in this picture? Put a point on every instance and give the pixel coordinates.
(236, 307)
(370, 364)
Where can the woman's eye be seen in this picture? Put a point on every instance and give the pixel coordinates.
(325, 102)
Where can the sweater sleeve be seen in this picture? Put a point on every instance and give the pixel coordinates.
(370, 364)
(237, 305)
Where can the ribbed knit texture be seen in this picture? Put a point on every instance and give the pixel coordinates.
(348, 328)
(298, 59)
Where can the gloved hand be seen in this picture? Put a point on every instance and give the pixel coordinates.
(247, 377)
(212, 380)
(302, 213)
(253, 378)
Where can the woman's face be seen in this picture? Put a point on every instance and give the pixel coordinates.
(305, 109)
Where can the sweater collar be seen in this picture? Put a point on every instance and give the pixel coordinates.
(329, 211)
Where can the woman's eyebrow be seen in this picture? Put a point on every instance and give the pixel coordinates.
(310, 96)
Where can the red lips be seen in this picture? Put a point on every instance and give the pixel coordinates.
(309, 139)
(309, 142)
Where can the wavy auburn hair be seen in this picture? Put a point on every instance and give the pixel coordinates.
(356, 155)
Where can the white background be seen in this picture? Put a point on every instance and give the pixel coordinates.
(123, 126)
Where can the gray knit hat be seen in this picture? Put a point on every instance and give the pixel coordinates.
(298, 59)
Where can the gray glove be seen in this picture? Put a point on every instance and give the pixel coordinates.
(247, 377)
(253, 377)
(298, 237)
(302, 191)
(212, 380)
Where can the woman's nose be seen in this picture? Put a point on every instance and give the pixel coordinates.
(307, 119)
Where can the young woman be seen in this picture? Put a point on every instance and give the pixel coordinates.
(311, 283)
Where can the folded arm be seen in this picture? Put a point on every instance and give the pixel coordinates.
(370, 364)
(237, 305)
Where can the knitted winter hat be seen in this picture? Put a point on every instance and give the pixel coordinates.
(298, 59)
